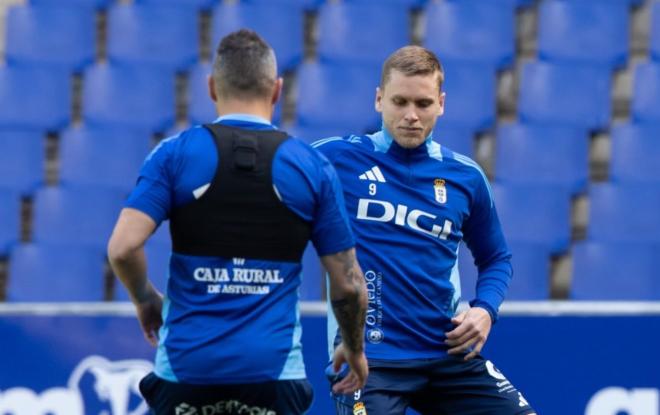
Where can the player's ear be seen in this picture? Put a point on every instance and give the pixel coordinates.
(441, 102)
(378, 104)
(277, 90)
(211, 87)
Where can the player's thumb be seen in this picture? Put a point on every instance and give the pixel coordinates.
(458, 318)
(338, 359)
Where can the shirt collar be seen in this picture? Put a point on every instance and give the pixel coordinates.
(243, 117)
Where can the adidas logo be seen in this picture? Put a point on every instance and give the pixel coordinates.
(373, 174)
(239, 261)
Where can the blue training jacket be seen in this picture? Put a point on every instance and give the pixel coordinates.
(409, 210)
(236, 320)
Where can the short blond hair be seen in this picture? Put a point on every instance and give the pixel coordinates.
(410, 61)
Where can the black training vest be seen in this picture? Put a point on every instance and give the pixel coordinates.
(240, 215)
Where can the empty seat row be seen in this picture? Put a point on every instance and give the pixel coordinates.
(54, 272)
(307, 4)
(469, 30)
(144, 97)
(84, 215)
(603, 271)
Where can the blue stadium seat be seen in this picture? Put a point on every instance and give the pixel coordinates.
(654, 46)
(408, 3)
(128, 96)
(457, 138)
(565, 94)
(312, 278)
(36, 98)
(201, 109)
(22, 160)
(584, 32)
(163, 36)
(624, 212)
(42, 272)
(615, 271)
(542, 154)
(280, 25)
(343, 38)
(470, 95)
(531, 272)
(471, 30)
(645, 105)
(98, 4)
(10, 219)
(102, 156)
(306, 4)
(535, 213)
(337, 96)
(50, 36)
(196, 4)
(75, 215)
(313, 134)
(635, 153)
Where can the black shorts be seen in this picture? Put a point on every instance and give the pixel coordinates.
(449, 386)
(282, 397)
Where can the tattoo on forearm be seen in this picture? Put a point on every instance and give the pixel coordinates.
(350, 311)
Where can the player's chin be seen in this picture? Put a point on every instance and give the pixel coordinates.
(411, 139)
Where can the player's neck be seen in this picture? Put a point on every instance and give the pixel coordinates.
(258, 108)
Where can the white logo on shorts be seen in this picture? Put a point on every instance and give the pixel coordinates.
(185, 409)
(492, 370)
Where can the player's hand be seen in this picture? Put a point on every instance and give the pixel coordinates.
(148, 310)
(356, 377)
(472, 329)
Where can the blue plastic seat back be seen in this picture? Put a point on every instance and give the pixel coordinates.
(62, 37)
(565, 94)
(22, 160)
(470, 95)
(635, 153)
(457, 138)
(645, 106)
(654, 46)
(98, 4)
(195, 4)
(471, 30)
(106, 157)
(535, 213)
(306, 4)
(45, 273)
(361, 33)
(128, 96)
(543, 154)
(607, 271)
(34, 97)
(161, 35)
(624, 212)
(584, 32)
(280, 25)
(75, 215)
(10, 219)
(531, 272)
(338, 96)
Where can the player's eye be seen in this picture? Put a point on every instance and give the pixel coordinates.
(399, 102)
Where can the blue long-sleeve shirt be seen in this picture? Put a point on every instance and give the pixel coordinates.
(410, 209)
